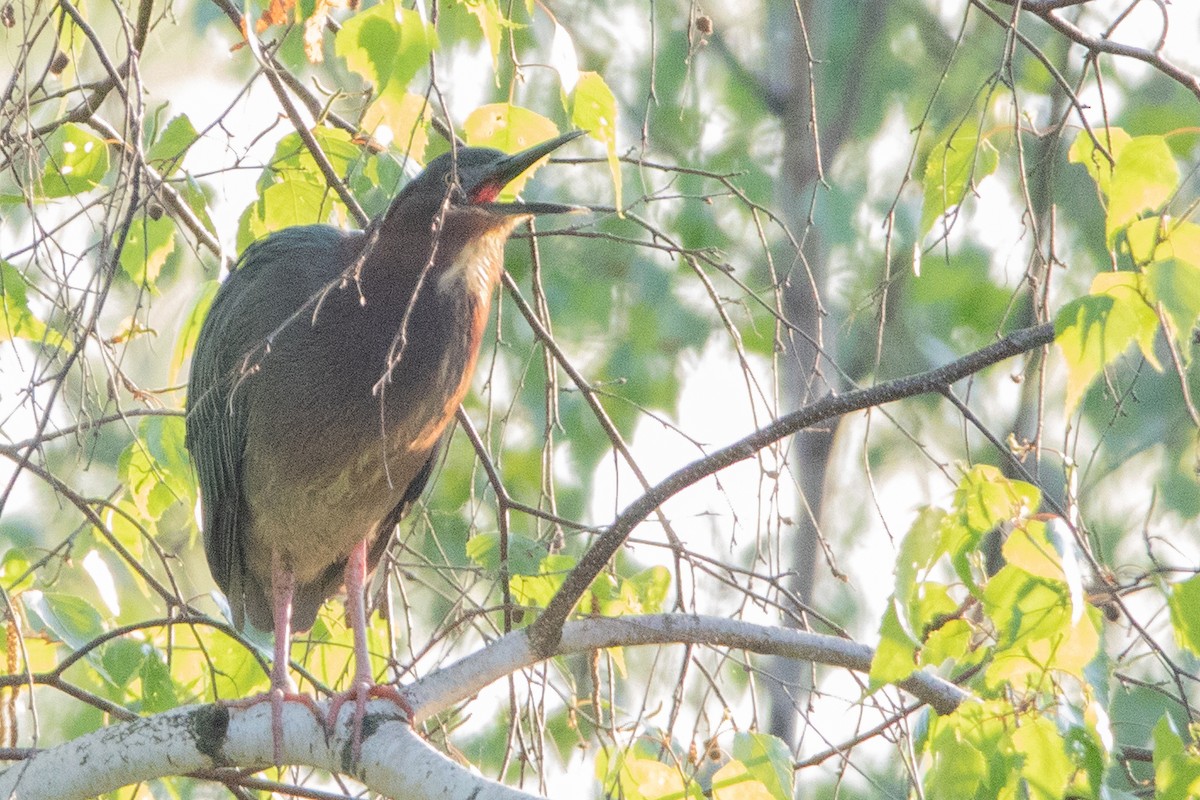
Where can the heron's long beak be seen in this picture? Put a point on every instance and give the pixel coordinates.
(506, 169)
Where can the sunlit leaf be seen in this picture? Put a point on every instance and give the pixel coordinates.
(954, 165)
(1083, 151)
(919, 549)
(1093, 331)
(1038, 635)
(147, 246)
(1175, 283)
(768, 760)
(406, 117)
(896, 654)
(155, 467)
(16, 319)
(650, 586)
(1045, 768)
(967, 756)
(652, 780)
(635, 774)
(96, 568)
(387, 44)
(74, 161)
(1176, 770)
(985, 498)
(594, 109)
(563, 59)
(189, 331)
(69, 619)
(536, 590)
(491, 22)
(166, 154)
(950, 640)
(1143, 179)
(734, 781)
(1179, 240)
(292, 201)
(511, 129)
(14, 566)
(1184, 602)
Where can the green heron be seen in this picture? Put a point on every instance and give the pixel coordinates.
(323, 381)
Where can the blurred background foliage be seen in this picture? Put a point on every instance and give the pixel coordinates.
(789, 199)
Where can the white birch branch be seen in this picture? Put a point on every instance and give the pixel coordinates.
(395, 761)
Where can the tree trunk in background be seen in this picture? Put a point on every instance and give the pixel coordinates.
(807, 367)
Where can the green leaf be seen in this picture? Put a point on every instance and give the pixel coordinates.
(966, 751)
(985, 497)
(1144, 178)
(1093, 331)
(594, 109)
(920, 548)
(13, 565)
(896, 654)
(1036, 635)
(158, 688)
(768, 760)
(387, 44)
(155, 467)
(70, 619)
(633, 776)
(406, 117)
(1045, 768)
(641, 593)
(16, 320)
(1083, 151)
(147, 246)
(166, 154)
(650, 587)
(952, 639)
(1176, 284)
(1176, 771)
(524, 554)
(1184, 602)
(193, 194)
(536, 590)
(292, 201)
(189, 331)
(74, 161)
(122, 659)
(954, 165)
(1155, 240)
(491, 22)
(509, 128)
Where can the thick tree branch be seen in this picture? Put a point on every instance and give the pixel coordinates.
(545, 630)
(439, 690)
(395, 762)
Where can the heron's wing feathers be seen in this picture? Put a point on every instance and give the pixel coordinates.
(411, 495)
(268, 287)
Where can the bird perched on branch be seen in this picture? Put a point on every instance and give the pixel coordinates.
(324, 378)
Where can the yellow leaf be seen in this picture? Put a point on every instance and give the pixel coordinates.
(595, 111)
(511, 129)
(733, 782)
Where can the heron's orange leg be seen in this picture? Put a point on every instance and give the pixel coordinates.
(364, 686)
(283, 587)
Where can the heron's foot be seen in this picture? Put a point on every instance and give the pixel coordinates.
(277, 697)
(360, 693)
